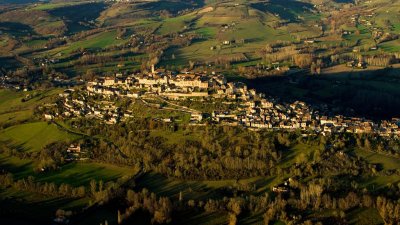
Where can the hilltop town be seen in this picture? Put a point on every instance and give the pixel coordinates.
(163, 89)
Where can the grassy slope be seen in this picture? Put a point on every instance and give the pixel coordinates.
(252, 29)
(78, 174)
(199, 190)
(49, 6)
(34, 136)
(94, 42)
(387, 163)
(20, 207)
(13, 109)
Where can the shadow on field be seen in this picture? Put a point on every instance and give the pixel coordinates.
(164, 186)
(24, 209)
(371, 94)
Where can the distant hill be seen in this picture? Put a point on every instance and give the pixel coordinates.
(19, 1)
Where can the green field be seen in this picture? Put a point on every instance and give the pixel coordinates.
(364, 216)
(97, 41)
(202, 189)
(49, 6)
(34, 136)
(391, 46)
(388, 162)
(20, 207)
(297, 154)
(13, 109)
(76, 174)
(175, 25)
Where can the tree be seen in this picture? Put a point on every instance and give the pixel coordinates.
(93, 187)
(232, 219)
(180, 196)
(303, 60)
(119, 217)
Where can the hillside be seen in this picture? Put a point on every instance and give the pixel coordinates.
(247, 25)
(249, 39)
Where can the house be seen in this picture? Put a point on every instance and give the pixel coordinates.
(167, 120)
(74, 148)
(266, 104)
(133, 95)
(361, 65)
(196, 117)
(48, 116)
(109, 81)
(280, 189)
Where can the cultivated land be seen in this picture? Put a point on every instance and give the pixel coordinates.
(34, 136)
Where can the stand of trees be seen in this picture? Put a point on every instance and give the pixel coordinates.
(229, 152)
(29, 184)
(295, 207)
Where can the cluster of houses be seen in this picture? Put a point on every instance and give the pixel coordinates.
(12, 82)
(251, 110)
(170, 86)
(76, 104)
(75, 152)
(258, 114)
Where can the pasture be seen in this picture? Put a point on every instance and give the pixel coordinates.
(75, 173)
(201, 189)
(387, 162)
(21, 207)
(97, 41)
(32, 137)
(13, 108)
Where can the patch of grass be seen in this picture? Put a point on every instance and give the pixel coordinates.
(15, 116)
(207, 32)
(379, 182)
(390, 46)
(298, 153)
(97, 41)
(201, 189)
(49, 6)
(78, 174)
(204, 218)
(75, 173)
(20, 168)
(34, 136)
(21, 207)
(388, 162)
(174, 137)
(363, 216)
(175, 24)
(36, 43)
(13, 109)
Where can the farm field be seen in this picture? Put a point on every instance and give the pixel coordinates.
(76, 174)
(14, 109)
(387, 162)
(94, 42)
(32, 137)
(19, 207)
